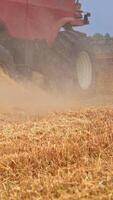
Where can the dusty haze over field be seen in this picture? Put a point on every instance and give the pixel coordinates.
(30, 97)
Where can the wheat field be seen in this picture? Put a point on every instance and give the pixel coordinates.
(64, 156)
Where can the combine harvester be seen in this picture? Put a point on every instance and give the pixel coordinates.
(31, 43)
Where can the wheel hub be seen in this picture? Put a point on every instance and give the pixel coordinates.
(84, 70)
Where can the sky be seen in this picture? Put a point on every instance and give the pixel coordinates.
(101, 20)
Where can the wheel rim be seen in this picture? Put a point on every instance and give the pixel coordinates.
(84, 70)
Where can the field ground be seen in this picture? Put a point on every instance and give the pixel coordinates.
(64, 156)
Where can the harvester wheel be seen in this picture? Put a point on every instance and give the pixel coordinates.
(84, 73)
(75, 50)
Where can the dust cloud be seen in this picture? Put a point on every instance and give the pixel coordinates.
(29, 97)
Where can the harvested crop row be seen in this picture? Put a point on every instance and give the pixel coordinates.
(65, 156)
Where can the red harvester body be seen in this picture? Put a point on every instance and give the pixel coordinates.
(39, 19)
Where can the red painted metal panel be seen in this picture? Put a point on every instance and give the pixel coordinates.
(38, 19)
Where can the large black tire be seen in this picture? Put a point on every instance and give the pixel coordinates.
(76, 52)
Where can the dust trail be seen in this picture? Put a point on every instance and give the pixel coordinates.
(30, 97)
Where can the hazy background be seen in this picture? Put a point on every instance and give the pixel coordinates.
(102, 16)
